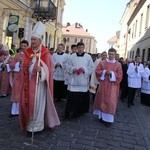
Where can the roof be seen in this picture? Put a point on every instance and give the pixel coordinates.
(75, 29)
(112, 39)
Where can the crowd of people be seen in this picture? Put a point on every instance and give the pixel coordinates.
(37, 77)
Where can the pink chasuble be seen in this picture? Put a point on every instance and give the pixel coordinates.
(4, 79)
(16, 80)
(108, 91)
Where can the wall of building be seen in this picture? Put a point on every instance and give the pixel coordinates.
(135, 30)
(90, 42)
(24, 10)
(139, 37)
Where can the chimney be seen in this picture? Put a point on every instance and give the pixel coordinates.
(68, 24)
(76, 25)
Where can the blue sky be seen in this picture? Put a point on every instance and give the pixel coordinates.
(100, 17)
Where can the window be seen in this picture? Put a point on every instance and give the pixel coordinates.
(148, 56)
(141, 21)
(135, 28)
(64, 40)
(75, 40)
(81, 40)
(133, 31)
(68, 39)
(143, 55)
(124, 38)
(133, 55)
(147, 17)
(130, 54)
(138, 52)
(129, 34)
(67, 48)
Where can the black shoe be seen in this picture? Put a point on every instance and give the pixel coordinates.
(107, 124)
(132, 104)
(28, 134)
(100, 120)
(128, 105)
(59, 100)
(123, 100)
(76, 115)
(13, 115)
(2, 96)
(66, 117)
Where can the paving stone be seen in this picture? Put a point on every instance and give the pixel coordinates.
(76, 146)
(127, 145)
(130, 131)
(138, 147)
(116, 138)
(84, 142)
(130, 141)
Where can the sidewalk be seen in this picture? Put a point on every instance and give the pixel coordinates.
(131, 131)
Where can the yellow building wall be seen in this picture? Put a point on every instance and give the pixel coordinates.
(7, 7)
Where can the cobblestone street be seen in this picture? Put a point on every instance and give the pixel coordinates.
(131, 130)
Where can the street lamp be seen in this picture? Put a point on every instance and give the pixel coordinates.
(44, 10)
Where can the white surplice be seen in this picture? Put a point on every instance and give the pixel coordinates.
(145, 88)
(93, 80)
(134, 78)
(59, 72)
(79, 83)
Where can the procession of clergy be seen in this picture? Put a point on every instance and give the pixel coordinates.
(36, 79)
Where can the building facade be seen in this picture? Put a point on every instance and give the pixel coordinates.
(113, 42)
(72, 34)
(24, 10)
(135, 30)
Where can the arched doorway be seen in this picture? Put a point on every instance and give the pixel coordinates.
(138, 52)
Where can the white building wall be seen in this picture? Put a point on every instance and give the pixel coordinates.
(124, 36)
(133, 44)
(90, 43)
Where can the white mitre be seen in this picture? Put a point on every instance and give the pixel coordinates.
(39, 30)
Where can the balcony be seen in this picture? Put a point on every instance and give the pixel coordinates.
(44, 10)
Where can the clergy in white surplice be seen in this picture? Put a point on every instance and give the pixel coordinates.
(60, 60)
(73, 50)
(134, 73)
(80, 67)
(145, 87)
